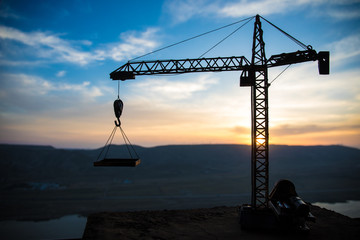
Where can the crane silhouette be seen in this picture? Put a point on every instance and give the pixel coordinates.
(255, 75)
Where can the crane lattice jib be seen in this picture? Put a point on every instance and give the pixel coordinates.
(235, 63)
(178, 66)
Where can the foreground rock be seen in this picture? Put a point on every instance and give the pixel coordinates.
(214, 223)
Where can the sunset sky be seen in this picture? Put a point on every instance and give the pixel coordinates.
(56, 56)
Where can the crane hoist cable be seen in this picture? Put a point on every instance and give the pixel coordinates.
(191, 38)
(306, 47)
(197, 36)
(237, 29)
(218, 43)
(124, 162)
(280, 74)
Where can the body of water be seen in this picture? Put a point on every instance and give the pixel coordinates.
(68, 227)
(348, 208)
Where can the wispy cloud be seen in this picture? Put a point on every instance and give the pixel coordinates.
(287, 129)
(132, 44)
(54, 48)
(183, 10)
(35, 110)
(344, 50)
(264, 7)
(32, 94)
(7, 12)
(167, 90)
(48, 46)
(339, 9)
(351, 13)
(61, 73)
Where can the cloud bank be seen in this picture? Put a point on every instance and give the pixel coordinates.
(50, 47)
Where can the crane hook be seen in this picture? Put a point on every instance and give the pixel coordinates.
(118, 108)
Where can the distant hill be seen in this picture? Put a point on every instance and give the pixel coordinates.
(320, 173)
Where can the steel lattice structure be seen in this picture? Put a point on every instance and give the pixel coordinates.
(255, 75)
(177, 66)
(260, 122)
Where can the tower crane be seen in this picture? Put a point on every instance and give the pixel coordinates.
(255, 75)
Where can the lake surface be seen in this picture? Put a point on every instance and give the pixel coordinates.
(63, 228)
(348, 208)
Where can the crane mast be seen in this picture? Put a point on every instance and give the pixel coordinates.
(255, 75)
(259, 121)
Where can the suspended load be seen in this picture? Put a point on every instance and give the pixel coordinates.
(132, 160)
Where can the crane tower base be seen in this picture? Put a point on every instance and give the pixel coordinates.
(257, 219)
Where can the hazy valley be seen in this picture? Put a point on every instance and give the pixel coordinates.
(42, 182)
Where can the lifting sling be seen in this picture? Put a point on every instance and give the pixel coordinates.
(133, 159)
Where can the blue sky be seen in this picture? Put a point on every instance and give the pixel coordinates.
(56, 56)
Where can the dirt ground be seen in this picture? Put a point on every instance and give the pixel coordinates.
(213, 223)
